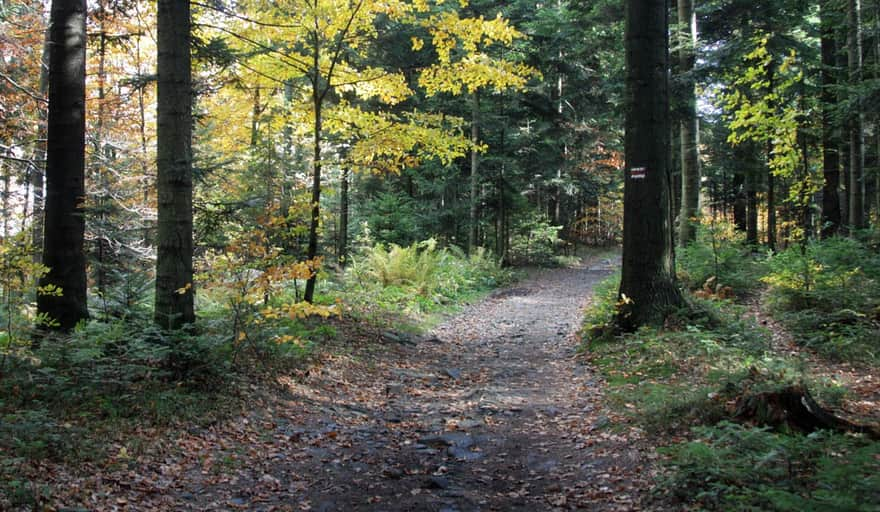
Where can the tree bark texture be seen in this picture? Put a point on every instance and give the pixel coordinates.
(315, 223)
(342, 242)
(63, 250)
(856, 135)
(830, 130)
(174, 259)
(473, 232)
(648, 277)
(688, 126)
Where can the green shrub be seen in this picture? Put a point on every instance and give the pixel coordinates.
(828, 294)
(534, 241)
(421, 277)
(719, 251)
(735, 467)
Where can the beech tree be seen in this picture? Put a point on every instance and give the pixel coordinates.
(174, 257)
(63, 297)
(647, 287)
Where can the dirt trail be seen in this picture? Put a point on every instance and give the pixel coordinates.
(491, 411)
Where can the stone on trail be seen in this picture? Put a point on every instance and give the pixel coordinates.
(452, 373)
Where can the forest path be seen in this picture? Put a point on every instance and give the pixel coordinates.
(491, 411)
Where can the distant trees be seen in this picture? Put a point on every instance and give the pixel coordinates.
(64, 299)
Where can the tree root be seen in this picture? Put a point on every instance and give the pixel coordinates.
(793, 407)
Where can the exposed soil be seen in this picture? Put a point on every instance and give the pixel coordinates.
(490, 411)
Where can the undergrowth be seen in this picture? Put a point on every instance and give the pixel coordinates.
(827, 294)
(683, 381)
(418, 280)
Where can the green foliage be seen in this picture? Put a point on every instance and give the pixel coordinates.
(535, 241)
(826, 293)
(683, 378)
(18, 279)
(421, 277)
(393, 219)
(734, 467)
(719, 251)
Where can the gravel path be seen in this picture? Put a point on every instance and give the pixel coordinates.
(494, 410)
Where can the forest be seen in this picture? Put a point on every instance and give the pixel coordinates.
(439, 255)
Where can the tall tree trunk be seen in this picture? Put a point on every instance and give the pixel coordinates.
(473, 231)
(830, 130)
(342, 241)
(771, 199)
(751, 186)
(146, 182)
(63, 250)
(38, 170)
(771, 177)
(314, 225)
(287, 176)
(100, 231)
(739, 199)
(174, 259)
(647, 283)
(689, 126)
(856, 135)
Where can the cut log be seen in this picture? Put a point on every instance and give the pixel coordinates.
(795, 408)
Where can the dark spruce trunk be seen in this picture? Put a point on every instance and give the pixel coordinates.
(856, 135)
(174, 258)
(342, 242)
(314, 225)
(648, 274)
(752, 208)
(63, 250)
(771, 178)
(830, 131)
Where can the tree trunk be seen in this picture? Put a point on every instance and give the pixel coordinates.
(647, 284)
(475, 176)
(856, 135)
(174, 259)
(146, 183)
(63, 250)
(288, 168)
(830, 131)
(342, 242)
(314, 225)
(38, 171)
(771, 200)
(771, 178)
(689, 127)
(751, 208)
(739, 200)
